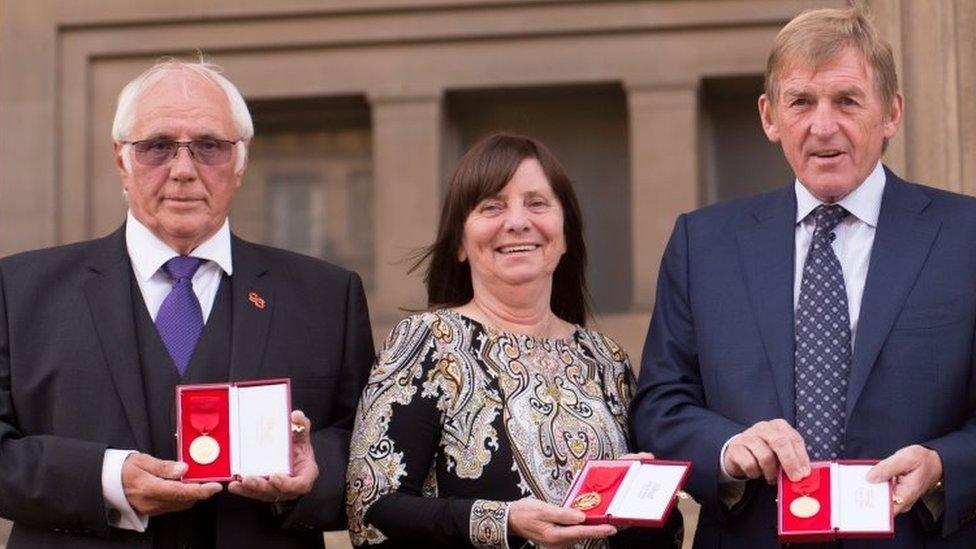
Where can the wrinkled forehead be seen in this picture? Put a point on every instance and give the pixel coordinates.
(184, 93)
(848, 64)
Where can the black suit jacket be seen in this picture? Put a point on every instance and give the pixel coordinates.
(70, 386)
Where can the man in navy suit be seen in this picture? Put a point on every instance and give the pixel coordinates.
(830, 319)
(95, 336)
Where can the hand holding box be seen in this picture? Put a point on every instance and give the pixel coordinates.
(627, 492)
(834, 501)
(226, 431)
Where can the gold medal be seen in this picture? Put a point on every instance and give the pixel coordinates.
(804, 507)
(204, 412)
(204, 450)
(586, 501)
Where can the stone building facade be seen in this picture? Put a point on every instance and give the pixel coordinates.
(362, 107)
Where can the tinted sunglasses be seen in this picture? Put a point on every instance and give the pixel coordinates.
(156, 152)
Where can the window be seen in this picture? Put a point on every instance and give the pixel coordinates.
(309, 183)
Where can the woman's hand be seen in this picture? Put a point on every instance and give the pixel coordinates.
(637, 455)
(550, 525)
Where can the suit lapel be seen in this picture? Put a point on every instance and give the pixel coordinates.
(901, 243)
(766, 244)
(253, 295)
(109, 296)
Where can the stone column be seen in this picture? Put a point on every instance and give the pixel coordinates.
(888, 17)
(407, 179)
(933, 44)
(664, 173)
(28, 158)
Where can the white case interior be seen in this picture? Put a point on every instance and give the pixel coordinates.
(260, 428)
(859, 506)
(645, 492)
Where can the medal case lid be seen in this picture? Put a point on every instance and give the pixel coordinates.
(829, 523)
(670, 474)
(228, 434)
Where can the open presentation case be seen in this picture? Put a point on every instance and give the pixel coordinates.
(834, 501)
(628, 492)
(226, 431)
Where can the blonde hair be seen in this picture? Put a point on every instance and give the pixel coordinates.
(819, 36)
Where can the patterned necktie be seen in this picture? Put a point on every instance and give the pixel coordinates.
(823, 342)
(180, 319)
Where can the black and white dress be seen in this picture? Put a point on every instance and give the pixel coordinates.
(459, 419)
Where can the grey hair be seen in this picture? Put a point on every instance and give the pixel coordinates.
(125, 111)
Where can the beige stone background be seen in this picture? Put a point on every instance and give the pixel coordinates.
(362, 106)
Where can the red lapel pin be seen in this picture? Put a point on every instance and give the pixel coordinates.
(256, 299)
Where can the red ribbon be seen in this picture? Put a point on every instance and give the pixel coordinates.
(599, 479)
(204, 413)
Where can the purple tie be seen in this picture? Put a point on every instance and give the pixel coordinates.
(180, 320)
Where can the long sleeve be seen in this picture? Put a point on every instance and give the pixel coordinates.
(669, 414)
(958, 467)
(395, 439)
(322, 508)
(618, 380)
(46, 481)
(120, 512)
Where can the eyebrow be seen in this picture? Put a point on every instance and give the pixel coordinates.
(803, 92)
(850, 90)
(795, 92)
(162, 134)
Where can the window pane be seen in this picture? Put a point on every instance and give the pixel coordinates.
(737, 158)
(309, 183)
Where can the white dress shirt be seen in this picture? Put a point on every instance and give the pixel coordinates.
(148, 254)
(854, 238)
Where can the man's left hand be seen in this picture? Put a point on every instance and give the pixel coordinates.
(916, 470)
(277, 488)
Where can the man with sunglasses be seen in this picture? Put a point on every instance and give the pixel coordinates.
(95, 336)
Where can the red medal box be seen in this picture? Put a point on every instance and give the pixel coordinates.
(627, 492)
(834, 501)
(225, 431)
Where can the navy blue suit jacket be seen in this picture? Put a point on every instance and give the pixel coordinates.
(719, 352)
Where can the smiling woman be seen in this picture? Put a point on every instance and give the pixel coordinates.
(510, 189)
(480, 412)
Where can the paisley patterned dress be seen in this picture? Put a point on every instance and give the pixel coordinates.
(458, 420)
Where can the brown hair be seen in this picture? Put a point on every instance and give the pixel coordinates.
(818, 36)
(482, 172)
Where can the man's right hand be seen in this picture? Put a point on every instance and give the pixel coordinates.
(152, 486)
(761, 449)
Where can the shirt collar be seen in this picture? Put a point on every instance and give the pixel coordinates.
(148, 253)
(864, 202)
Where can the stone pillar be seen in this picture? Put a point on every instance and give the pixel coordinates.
(887, 16)
(664, 173)
(28, 167)
(965, 46)
(933, 44)
(407, 179)
(932, 87)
